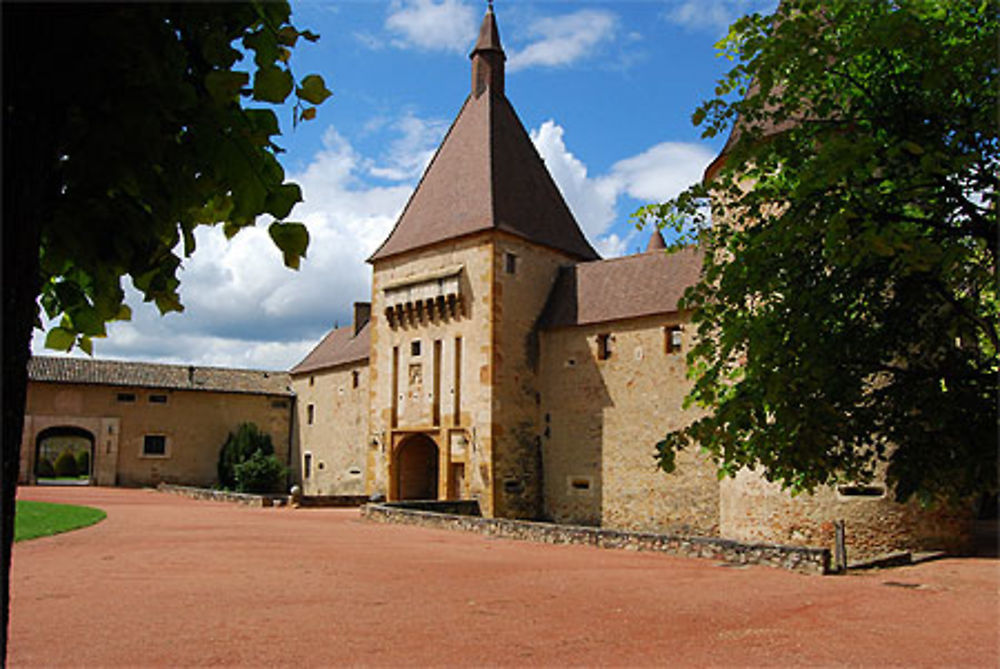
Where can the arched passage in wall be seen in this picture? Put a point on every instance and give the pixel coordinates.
(52, 442)
(416, 470)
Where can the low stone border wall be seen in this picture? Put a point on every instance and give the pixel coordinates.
(794, 558)
(313, 501)
(224, 495)
(458, 507)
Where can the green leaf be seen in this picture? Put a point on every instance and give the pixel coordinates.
(224, 85)
(60, 339)
(87, 345)
(313, 89)
(292, 239)
(281, 200)
(272, 84)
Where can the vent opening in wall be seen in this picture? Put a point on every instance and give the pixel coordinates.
(861, 490)
(513, 486)
(674, 338)
(510, 263)
(354, 471)
(415, 347)
(157, 399)
(580, 484)
(126, 397)
(307, 461)
(603, 346)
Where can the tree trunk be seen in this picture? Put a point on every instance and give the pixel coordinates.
(28, 159)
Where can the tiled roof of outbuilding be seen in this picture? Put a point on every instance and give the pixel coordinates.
(155, 375)
(620, 288)
(339, 347)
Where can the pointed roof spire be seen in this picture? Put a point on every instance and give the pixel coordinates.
(656, 242)
(488, 57)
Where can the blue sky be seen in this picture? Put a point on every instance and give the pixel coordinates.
(605, 89)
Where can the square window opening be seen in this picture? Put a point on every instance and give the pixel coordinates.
(154, 444)
(603, 346)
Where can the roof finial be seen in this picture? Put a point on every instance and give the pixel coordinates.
(488, 57)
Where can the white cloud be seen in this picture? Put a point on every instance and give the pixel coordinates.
(243, 307)
(655, 175)
(445, 25)
(713, 15)
(562, 40)
(408, 155)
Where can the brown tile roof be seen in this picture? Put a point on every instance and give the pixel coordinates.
(155, 375)
(486, 175)
(620, 288)
(656, 242)
(338, 347)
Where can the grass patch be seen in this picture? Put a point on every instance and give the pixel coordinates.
(42, 519)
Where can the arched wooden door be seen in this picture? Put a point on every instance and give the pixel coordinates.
(416, 468)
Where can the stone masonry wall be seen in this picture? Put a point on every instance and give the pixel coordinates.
(603, 419)
(195, 424)
(806, 560)
(464, 441)
(336, 441)
(523, 277)
(752, 509)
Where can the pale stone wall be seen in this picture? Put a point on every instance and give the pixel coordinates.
(520, 296)
(752, 509)
(464, 441)
(336, 441)
(602, 421)
(195, 424)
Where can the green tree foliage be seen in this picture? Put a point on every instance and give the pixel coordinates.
(65, 464)
(83, 462)
(239, 448)
(126, 126)
(847, 310)
(260, 473)
(44, 469)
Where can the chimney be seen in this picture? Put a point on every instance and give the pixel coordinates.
(362, 314)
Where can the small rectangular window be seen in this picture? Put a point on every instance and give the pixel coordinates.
(674, 337)
(310, 413)
(312, 380)
(154, 445)
(307, 465)
(603, 346)
(355, 378)
(510, 263)
(126, 397)
(157, 399)
(415, 348)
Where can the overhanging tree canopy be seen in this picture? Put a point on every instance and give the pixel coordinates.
(847, 312)
(125, 126)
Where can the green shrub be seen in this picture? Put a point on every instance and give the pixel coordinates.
(44, 469)
(66, 464)
(82, 463)
(260, 473)
(239, 448)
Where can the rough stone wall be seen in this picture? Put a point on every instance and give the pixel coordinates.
(602, 421)
(752, 509)
(465, 444)
(523, 277)
(337, 439)
(195, 424)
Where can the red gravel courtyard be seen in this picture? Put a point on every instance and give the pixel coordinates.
(169, 581)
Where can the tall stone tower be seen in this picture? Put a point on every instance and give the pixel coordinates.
(457, 288)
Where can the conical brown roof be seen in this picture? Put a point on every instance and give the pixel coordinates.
(656, 242)
(486, 175)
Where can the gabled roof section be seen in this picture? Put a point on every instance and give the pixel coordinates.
(339, 347)
(486, 175)
(620, 288)
(153, 375)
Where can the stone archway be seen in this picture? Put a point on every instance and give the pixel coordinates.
(51, 442)
(416, 468)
